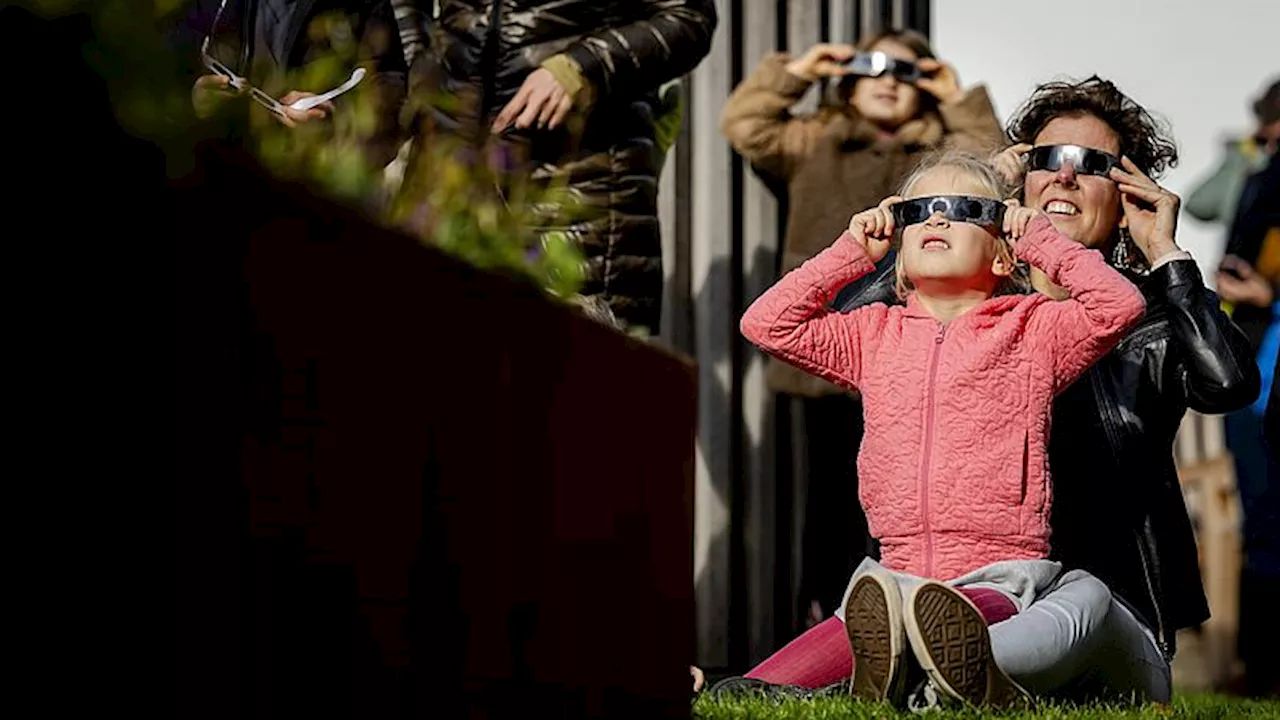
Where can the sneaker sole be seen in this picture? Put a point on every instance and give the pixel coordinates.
(873, 622)
(949, 637)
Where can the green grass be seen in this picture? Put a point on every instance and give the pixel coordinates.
(1199, 707)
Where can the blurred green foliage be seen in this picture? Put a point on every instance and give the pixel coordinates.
(471, 209)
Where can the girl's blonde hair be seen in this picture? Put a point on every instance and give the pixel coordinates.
(991, 181)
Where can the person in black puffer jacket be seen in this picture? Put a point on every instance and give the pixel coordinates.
(568, 92)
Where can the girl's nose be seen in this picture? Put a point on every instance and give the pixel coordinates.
(937, 219)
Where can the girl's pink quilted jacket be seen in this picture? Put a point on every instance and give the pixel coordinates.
(953, 469)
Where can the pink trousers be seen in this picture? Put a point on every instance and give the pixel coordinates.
(821, 656)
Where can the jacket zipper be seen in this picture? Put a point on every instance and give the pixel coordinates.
(1111, 427)
(1161, 637)
(928, 452)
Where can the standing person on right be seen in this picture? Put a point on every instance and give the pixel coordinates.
(1249, 278)
(892, 103)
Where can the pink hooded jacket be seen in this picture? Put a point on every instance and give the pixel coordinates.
(953, 469)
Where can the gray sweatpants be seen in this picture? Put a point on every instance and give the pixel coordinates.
(1071, 638)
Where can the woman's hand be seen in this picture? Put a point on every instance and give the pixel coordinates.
(1016, 218)
(873, 229)
(939, 80)
(1239, 283)
(1010, 164)
(822, 61)
(699, 680)
(1151, 211)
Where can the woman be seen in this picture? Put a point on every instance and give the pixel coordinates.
(855, 150)
(1118, 511)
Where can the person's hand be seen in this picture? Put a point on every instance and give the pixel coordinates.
(939, 80)
(699, 680)
(1010, 165)
(1016, 218)
(541, 101)
(822, 61)
(293, 118)
(1151, 210)
(209, 92)
(873, 229)
(1239, 283)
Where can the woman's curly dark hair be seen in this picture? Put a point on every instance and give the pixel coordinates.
(1143, 138)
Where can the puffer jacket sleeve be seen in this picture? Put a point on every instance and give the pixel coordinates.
(1216, 370)
(666, 39)
(1071, 335)
(382, 52)
(791, 320)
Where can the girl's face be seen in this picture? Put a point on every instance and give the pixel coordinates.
(1085, 208)
(940, 255)
(885, 100)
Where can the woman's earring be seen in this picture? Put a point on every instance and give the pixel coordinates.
(1122, 255)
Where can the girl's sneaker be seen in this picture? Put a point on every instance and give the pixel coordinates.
(873, 621)
(949, 637)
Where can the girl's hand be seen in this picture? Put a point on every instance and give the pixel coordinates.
(873, 229)
(822, 61)
(1016, 218)
(939, 80)
(1152, 211)
(1009, 163)
(699, 680)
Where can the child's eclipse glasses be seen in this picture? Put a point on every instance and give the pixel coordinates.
(956, 208)
(875, 64)
(1087, 161)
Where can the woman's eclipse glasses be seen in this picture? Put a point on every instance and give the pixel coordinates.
(1086, 161)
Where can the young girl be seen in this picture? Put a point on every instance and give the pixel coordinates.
(871, 128)
(957, 388)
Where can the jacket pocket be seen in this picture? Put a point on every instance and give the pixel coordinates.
(1025, 468)
(1008, 488)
